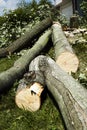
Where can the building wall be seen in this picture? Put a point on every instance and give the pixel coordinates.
(67, 9)
(57, 2)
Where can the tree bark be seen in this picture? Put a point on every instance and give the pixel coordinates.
(8, 77)
(25, 39)
(64, 54)
(70, 96)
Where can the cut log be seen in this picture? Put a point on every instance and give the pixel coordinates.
(64, 54)
(29, 97)
(29, 91)
(8, 77)
(25, 39)
(70, 96)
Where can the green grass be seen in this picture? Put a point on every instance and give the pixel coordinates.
(81, 51)
(7, 62)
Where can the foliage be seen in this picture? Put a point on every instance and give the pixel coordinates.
(62, 19)
(11, 29)
(12, 23)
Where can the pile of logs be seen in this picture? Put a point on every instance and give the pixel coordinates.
(40, 71)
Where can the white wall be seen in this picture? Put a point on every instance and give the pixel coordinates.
(57, 2)
(67, 10)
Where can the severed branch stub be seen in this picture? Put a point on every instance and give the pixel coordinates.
(29, 91)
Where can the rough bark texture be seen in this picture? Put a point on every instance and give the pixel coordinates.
(64, 54)
(25, 39)
(8, 77)
(70, 96)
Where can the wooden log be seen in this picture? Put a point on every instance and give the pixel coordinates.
(20, 66)
(25, 39)
(29, 91)
(70, 96)
(64, 54)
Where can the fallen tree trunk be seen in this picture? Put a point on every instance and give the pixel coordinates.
(8, 77)
(25, 39)
(64, 54)
(70, 96)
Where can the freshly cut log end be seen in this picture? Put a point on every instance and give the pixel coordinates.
(64, 54)
(68, 62)
(29, 98)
